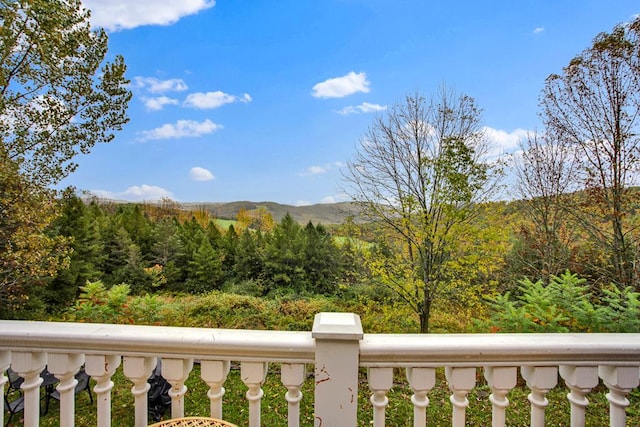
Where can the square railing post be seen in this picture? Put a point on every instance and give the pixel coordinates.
(337, 338)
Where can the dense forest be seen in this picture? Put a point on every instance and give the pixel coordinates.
(157, 248)
(138, 250)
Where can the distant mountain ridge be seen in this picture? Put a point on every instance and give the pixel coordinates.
(324, 213)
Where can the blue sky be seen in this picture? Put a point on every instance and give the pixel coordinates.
(266, 100)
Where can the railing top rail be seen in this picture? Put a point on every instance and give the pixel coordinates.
(434, 350)
(431, 350)
(163, 341)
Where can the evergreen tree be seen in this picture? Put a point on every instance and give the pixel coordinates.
(229, 246)
(86, 256)
(320, 260)
(214, 234)
(133, 219)
(124, 263)
(283, 267)
(205, 268)
(188, 234)
(166, 249)
(249, 263)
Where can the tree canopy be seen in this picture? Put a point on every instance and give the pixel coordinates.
(58, 96)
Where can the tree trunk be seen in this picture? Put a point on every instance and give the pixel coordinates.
(425, 313)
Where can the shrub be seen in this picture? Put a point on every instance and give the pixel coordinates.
(100, 305)
(221, 310)
(566, 304)
(251, 287)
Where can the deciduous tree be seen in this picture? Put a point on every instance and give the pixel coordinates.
(594, 105)
(420, 172)
(58, 97)
(545, 181)
(27, 253)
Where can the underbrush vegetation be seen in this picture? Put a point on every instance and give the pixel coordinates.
(218, 309)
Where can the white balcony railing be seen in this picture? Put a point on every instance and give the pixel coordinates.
(337, 349)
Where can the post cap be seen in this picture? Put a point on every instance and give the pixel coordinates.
(337, 326)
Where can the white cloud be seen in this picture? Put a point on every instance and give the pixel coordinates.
(213, 99)
(328, 199)
(365, 107)
(155, 85)
(318, 170)
(200, 174)
(538, 30)
(181, 129)
(336, 198)
(505, 142)
(136, 193)
(114, 15)
(314, 170)
(340, 87)
(156, 104)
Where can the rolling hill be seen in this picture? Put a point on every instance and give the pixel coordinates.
(326, 213)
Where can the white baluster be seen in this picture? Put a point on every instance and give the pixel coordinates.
(101, 368)
(580, 379)
(380, 381)
(214, 373)
(540, 379)
(138, 369)
(292, 377)
(29, 366)
(5, 362)
(253, 375)
(620, 380)
(461, 381)
(421, 380)
(501, 379)
(176, 372)
(64, 367)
